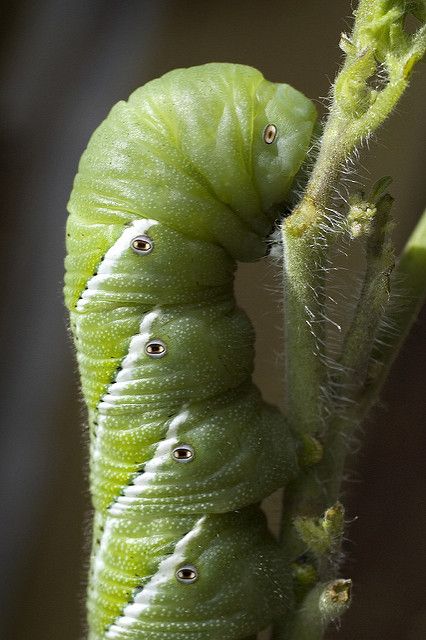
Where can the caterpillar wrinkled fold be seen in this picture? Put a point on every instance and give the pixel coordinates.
(175, 186)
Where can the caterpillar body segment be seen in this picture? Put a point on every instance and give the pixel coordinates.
(175, 186)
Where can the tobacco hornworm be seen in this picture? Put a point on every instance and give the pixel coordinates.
(177, 184)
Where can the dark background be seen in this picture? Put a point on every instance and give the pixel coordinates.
(63, 66)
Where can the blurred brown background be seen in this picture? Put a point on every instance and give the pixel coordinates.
(63, 66)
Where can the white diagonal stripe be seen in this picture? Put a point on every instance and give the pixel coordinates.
(166, 570)
(111, 258)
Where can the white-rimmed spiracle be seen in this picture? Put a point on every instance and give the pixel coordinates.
(183, 453)
(187, 574)
(155, 349)
(142, 245)
(270, 133)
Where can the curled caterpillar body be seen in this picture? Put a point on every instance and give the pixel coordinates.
(175, 186)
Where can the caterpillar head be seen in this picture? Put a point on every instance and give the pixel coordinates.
(245, 137)
(282, 130)
(206, 150)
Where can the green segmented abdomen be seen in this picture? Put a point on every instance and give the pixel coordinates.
(169, 193)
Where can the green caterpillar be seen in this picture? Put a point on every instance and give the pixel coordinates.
(177, 184)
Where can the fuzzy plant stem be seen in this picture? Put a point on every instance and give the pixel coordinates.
(379, 57)
(409, 278)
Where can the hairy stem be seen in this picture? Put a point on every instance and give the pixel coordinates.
(379, 57)
(409, 277)
(373, 299)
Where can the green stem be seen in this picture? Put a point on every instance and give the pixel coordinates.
(304, 332)
(378, 46)
(373, 300)
(409, 279)
(378, 43)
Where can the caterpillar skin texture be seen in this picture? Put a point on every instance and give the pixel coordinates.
(176, 185)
